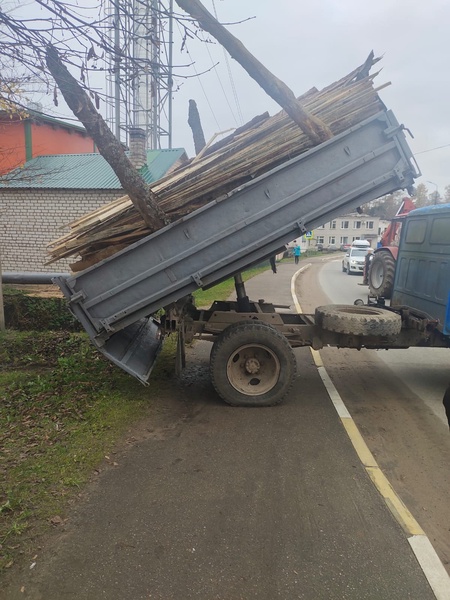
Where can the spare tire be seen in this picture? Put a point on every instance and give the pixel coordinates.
(358, 320)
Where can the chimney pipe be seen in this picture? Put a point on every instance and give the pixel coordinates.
(138, 155)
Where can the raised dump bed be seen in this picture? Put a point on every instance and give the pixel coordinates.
(114, 298)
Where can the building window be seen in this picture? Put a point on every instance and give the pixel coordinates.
(356, 224)
(369, 224)
(332, 226)
(321, 227)
(320, 239)
(344, 224)
(344, 239)
(331, 239)
(355, 238)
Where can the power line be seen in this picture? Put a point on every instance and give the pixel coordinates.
(200, 82)
(230, 75)
(431, 149)
(220, 82)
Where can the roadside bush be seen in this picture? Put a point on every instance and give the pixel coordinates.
(32, 313)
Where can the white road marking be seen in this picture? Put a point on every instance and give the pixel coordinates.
(431, 565)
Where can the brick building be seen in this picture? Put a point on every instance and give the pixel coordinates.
(22, 139)
(38, 201)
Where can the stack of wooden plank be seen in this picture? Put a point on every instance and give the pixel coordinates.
(251, 151)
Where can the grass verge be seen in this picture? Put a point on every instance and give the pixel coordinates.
(223, 290)
(63, 407)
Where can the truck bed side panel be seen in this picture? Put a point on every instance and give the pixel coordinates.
(249, 224)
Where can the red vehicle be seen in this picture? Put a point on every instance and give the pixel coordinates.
(382, 267)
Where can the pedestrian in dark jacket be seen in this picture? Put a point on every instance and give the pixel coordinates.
(273, 263)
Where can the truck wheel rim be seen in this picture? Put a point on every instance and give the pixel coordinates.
(253, 369)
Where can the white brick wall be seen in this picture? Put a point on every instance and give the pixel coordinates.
(30, 219)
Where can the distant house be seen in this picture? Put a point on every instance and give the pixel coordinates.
(345, 230)
(22, 139)
(38, 201)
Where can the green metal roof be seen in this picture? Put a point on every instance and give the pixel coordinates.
(160, 161)
(84, 171)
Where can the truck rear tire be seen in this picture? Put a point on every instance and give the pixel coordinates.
(358, 320)
(252, 364)
(381, 274)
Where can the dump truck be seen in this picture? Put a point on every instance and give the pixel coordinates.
(130, 302)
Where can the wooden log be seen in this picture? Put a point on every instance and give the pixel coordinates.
(249, 154)
(312, 126)
(196, 127)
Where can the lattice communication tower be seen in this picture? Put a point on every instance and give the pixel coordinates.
(139, 77)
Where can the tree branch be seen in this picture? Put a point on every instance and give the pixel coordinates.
(313, 127)
(109, 147)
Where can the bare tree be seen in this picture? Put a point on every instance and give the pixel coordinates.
(447, 193)
(77, 37)
(108, 145)
(313, 127)
(34, 48)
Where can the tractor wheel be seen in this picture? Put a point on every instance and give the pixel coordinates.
(381, 274)
(252, 364)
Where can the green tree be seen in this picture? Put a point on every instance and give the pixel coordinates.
(447, 193)
(385, 207)
(421, 196)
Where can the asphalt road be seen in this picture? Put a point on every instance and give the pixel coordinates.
(395, 398)
(212, 502)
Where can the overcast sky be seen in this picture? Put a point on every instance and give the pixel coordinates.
(315, 42)
(310, 43)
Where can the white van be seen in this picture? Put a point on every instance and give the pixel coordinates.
(353, 261)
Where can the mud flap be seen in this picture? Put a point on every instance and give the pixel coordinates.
(135, 348)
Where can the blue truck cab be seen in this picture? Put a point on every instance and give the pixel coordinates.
(422, 275)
